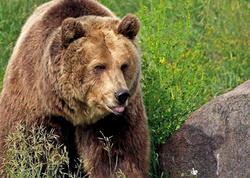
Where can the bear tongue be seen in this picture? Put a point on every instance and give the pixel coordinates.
(119, 109)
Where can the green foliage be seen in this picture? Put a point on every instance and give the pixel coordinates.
(35, 152)
(192, 51)
(188, 59)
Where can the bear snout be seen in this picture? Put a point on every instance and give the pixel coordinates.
(122, 96)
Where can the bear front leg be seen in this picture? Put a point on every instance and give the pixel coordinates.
(127, 150)
(113, 159)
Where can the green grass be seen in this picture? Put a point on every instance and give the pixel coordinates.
(192, 51)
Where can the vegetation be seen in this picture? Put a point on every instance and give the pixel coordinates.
(36, 152)
(192, 51)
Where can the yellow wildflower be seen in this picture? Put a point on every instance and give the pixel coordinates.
(162, 60)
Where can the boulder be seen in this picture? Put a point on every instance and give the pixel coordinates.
(214, 141)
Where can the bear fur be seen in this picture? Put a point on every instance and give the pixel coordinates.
(70, 60)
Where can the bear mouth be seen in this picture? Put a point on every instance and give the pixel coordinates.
(117, 110)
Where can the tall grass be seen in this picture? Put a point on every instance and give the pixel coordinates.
(192, 51)
(36, 152)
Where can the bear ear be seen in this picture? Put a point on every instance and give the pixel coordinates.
(129, 26)
(71, 30)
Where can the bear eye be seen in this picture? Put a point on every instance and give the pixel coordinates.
(100, 67)
(124, 67)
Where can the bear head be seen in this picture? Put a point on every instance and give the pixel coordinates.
(99, 66)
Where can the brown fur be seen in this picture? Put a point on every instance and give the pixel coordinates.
(66, 66)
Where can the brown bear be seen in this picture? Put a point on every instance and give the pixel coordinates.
(76, 68)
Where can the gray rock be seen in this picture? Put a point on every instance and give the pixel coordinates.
(214, 140)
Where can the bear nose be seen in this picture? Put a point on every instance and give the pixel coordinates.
(122, 96)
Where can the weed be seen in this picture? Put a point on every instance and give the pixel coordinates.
(107, 146)
(36, 152)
